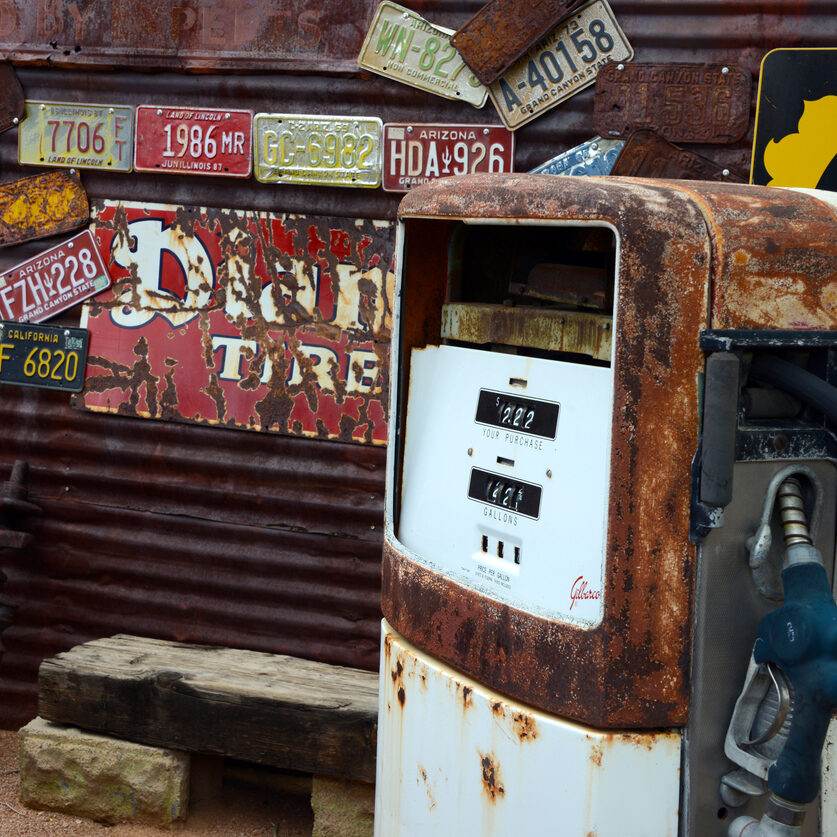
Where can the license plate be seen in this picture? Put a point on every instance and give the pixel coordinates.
(647, 154)
(55, 280)
(681, 102)
(565, 62)
(43, 205)
(502, 30)
(76, 136)
(403, 46)
(194, 141)
(48, 357)
(594, 157)
(319, 150)
(416, 154)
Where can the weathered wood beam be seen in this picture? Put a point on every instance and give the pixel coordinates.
(264, 708)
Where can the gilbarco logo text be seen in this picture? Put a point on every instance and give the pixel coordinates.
(580, 592)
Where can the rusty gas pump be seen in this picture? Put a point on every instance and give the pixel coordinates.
(591, 419)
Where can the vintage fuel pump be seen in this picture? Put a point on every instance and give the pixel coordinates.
(609, 553)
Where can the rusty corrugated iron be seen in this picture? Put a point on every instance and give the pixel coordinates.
(12, 106)
(186, 533)
(40, 206)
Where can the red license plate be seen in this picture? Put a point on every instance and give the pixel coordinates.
(416, 154)
(182, 140)
(55, 280)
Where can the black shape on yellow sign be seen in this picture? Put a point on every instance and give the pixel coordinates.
(795, 141)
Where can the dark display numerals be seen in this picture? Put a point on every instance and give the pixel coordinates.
(505, 493)
(526, 415)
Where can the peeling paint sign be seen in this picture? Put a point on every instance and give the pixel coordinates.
(246, 320)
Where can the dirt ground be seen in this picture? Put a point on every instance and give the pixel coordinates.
(242, 810)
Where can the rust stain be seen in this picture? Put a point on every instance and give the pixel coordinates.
(596, 753)
(467, 697)
(491, 784)
(525, 726)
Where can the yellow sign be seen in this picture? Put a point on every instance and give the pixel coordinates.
(795, 142)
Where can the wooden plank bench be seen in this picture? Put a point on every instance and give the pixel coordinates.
(265, 708)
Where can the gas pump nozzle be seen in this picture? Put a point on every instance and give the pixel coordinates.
(780, 720)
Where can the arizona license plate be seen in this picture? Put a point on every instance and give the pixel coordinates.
(403, 46)
(560, 65)
(76, 136)
(320, 150)
(416, 154)
(49, 357)
(194, 141)
(55, 280)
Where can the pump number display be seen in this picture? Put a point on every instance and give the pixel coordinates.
(566, 61)
(48, 357)
(525, 415)
(505, 493)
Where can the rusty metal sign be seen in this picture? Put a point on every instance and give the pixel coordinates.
(11, 104)
(502, 30)
(194, 141)
(76, 136)
(318, 150)
(202, 35)
(403, 46)
(47, 357)
(416, 154)
(594, 157)
(560, 65)
(647, 154)
(53, 281)
(40, 206)
(247, 320)
(681, 102)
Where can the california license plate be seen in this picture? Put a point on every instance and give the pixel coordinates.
(560, 65)
(416, 154)
(319, 150)
(76, 136)
(182, 140)
(49, 357)
(403, 46)
(55, 280)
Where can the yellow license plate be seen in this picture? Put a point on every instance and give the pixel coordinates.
(76, 136)
(318, 150)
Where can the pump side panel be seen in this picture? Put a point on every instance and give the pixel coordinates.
(455, 757)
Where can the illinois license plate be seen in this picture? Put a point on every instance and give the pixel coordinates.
(194, 141)
(320, 150)
(76, 136)
(55, 280)
(416, 154)
(403, 46)
(49, 357)
(560, 65)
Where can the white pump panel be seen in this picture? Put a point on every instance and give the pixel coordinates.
(505, 477)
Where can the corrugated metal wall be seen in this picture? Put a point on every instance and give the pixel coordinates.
(244, 539)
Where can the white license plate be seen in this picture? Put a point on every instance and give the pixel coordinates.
(566, 61)
(403, 46)
(76, 136)
(318, 150)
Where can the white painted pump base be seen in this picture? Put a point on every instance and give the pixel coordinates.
(455, 757)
